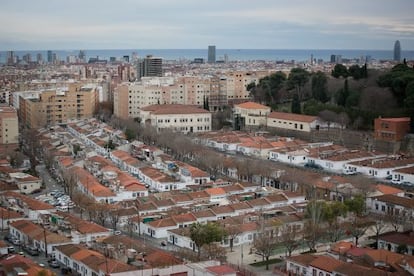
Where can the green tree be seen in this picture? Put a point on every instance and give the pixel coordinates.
(295, 107)
(319, 87)
(343, 94)
(267, 90)
(130, 134)
(298, 77)
(356, 205)
(340, 70)
(204, 234)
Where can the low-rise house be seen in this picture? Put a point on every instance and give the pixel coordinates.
(382, 167)
(90, 186)
(88, 262)
(403, 175)
(21, 265)
(399, 242)
(251, 114)
(31, 208)
(297, 122)
(35, 235)
(7, 216)
(27, 183)
(393, 205)
(160, 181)
(159, 228)
(79, 230)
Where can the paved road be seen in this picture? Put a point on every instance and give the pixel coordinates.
(49, 182)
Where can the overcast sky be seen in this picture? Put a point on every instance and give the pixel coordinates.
(228, 24)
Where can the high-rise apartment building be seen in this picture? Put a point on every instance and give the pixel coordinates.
(49, 56)
(149, 67)
(397, 51)
(9, 127)
(211, 54)
(59, 105)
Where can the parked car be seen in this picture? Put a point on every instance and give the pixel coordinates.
(32, 251)
(11, 249)
(15, 241)
(54, 264)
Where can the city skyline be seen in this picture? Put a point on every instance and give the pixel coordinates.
(186, 24)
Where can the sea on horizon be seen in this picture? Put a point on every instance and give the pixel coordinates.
(221, 54)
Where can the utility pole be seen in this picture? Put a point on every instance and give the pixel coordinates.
(45, 240)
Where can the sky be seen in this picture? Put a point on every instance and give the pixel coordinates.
(194, 24)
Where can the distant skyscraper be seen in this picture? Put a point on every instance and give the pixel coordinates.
(49, 56)
(82, 56)
(333, 58)
(39, 58)
(397, 51)
(150, 67)
(211, 54)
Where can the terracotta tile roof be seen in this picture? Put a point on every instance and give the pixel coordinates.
(208, 213)
(199, 195)
(188, 217)
(157, 175)
(407, 170)
(292, 117)
(397, 200)
(215, 191)
(115, 266)
(406, 238)
(252, 105)
(85, 253)
(232, 188)
(355, 269)
(221, 270)
(225, 209)
(400, 119)
(159, 258)
(326, 263)
(181, 198)
(342, 247)
(276, 198)
(90, 183)
(161, 223)
(9, 214)
(304, 259)
(240, 206)
(174, 109)
(388, 190)
(31, 203)
(82, 226)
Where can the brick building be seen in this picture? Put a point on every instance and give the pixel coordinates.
(391, 129)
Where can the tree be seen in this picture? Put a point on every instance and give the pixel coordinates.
(232, 232)
(357, 228)
(215, 252)
(319, 87)
(313, 231)
(204, 234)
(343, 94)
(328, 116)
(296, 108)
(264, 245)
(289, 238)
(297, 79)
(340, 70)
(70, 182)
(114, 216)
(356, 205)
(378, 226)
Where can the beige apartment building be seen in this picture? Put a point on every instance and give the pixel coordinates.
(183, 118)
(9, 127)
(129, 98)
(230, 87)
(76, 101)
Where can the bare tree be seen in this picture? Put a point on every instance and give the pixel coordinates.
(232, 232)
(396, 220)
(114, 216)
(379, 226)
(289, 238)
(328, 116)
(264, 245)
(213, 251)
(137, 205)
(358, 227)
(70, 182)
